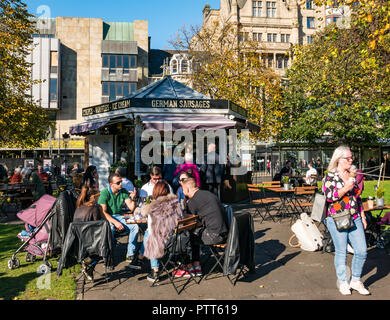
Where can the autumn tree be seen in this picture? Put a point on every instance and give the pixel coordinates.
(226, 68)
(23, 123)
(335, 92)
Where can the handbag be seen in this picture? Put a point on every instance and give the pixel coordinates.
(318, 212)
(343, 220)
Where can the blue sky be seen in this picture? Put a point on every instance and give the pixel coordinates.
(165, 17)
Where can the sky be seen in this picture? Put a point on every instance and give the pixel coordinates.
(165, 17)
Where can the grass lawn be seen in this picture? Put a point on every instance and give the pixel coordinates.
(24, 283)
(369, 190)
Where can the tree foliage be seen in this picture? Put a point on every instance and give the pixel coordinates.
(23, 123)
(338, 87)
(225, 68)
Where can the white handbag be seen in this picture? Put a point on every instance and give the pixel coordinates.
(307, 233)
(318, 213)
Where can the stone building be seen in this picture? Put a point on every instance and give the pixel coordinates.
(82, 62)
(277, 24)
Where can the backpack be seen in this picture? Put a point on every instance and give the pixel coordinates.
(307, 233)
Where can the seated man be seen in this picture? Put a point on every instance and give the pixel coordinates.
(111, 200)
(206, 205)
(147, 188)
(311, 172)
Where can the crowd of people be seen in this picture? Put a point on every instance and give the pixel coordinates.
(173, 191)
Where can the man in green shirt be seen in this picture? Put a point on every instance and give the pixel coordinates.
(111, 200)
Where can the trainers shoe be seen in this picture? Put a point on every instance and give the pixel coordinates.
(152, 276)
(136, 264)
(344, 288)
(129, 259)
(359, 287)
(196, 271)
(87, 271)
(181, 273)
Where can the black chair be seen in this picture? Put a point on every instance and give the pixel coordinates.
(237, 253)
(176, 253)
(87, 239)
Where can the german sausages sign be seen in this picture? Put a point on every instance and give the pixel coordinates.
(163, 104)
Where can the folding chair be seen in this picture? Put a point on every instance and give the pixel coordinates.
(176, 254)
(239, 244)
(304, 197)
(259, 201)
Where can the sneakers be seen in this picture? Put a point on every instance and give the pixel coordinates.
(136, 264)
(344, 288)
(359, 287)
(181, 273)
(153, 276)
(196, 271)
(87, 270)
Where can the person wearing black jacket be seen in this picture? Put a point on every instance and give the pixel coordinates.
(206, 205)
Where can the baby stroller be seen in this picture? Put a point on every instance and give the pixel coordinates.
(35, 237)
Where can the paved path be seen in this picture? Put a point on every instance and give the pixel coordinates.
(282, 272)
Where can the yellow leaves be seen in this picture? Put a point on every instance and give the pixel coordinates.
(372, 44)
(369, 18)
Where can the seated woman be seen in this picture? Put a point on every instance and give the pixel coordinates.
(30, 177)
(180, 195)
(91, 178)
(87, 209)
(17, 177)
(163, 213)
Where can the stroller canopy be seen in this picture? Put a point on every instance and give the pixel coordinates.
(36, 213)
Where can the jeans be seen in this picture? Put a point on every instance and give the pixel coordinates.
(154, 264)
(357, 238)
(133, 233)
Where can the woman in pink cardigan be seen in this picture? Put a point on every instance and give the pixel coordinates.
(189, 165)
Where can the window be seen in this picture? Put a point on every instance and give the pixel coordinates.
(243, 36)
(53, 89)
(284, 38)
(285, 62)
(184, 66)
(105, 61)
(114, 61)
(174, 66)
(309, 4)
(257, 36)
(310, 22)
(270, 60)
(271, 9)
(309, 39)
(115, 89)
(256, 8)
(271, 37)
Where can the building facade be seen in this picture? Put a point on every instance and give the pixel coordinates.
(82, 62)
(276, 24)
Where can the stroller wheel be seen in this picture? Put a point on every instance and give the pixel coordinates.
(30, 257)
(43, 269)
(13, 263)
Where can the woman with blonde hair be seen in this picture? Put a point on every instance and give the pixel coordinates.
(343, 196)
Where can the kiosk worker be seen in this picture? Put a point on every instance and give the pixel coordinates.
(111, 200)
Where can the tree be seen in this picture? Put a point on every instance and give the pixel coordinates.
(226, 68)
(23, 123)
(333, 93)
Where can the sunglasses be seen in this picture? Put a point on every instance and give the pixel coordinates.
(156, 179)
(182, 179)
(348, 158)
(118, 183)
